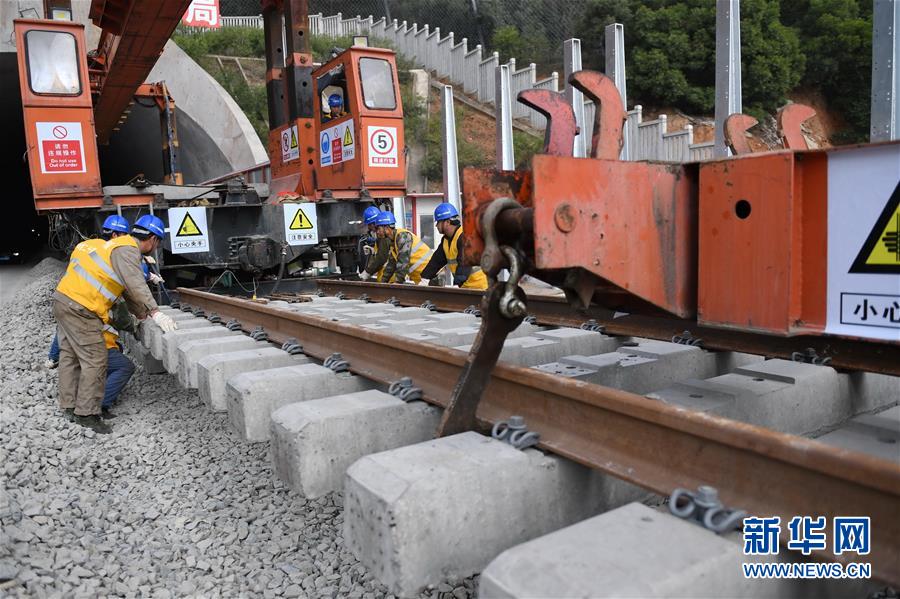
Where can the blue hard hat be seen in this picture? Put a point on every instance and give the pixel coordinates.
(150, 224)
(116, 223)
(386, 218)
(370, 215)
(445, 211)
(335, 101)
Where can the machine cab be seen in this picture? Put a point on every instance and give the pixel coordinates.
(359, 125)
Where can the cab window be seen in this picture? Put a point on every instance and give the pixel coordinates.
(52, 63)
(332, 87)
(377, 84)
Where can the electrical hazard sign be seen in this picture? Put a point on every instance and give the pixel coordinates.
(881, 251)
(61, 147)
(337, 144)
(300, 224)
(290, 144)
(863, 293)
(188, 229)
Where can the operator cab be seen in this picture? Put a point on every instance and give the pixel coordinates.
(359, 126)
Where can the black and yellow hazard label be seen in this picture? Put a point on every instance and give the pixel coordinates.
(188, 228)
(293, 138)
(300, 221)
(880, 254)
(348, 137)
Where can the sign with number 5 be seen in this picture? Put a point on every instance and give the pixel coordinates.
(382, 146)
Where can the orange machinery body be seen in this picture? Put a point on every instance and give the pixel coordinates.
(58, 115)
(330, 163)
(740, 243)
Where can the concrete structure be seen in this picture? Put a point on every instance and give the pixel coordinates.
(543, 347)
(155, 336)
(190, 353)
(141, 356)
(647, 366)
(314, 442)
(443, 509)
(875, 434)
(253, 396)
(172, 341)
(771, 393)
(213, 372)
(638, 551)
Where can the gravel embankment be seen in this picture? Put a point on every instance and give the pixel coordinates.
(171, 504)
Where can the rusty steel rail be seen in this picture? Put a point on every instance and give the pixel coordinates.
(845, 353)
(654, 445)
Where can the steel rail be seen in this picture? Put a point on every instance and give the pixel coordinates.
(651, 444)
(845, 353)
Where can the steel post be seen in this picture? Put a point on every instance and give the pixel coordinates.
(885, 123)
(448, 143)
(572, 60)
(615, 70)
(506, 159)
(728, 68)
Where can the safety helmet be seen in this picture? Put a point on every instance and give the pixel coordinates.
(445, 211)
(116, 223)
(386, 219)
(335, 101)
(370, 215)
(150, 224)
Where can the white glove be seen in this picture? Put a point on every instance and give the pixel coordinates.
(50, 364)
(155, 278)
(164, 322)
(364, 276)
(424, 283)
(368, 250)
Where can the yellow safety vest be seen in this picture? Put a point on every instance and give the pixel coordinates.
(90, 279)
(477, 278)
(419, 255)
(110, 337)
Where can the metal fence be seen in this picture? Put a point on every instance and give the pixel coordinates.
(474, 71)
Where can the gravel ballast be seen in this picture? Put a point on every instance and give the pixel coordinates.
(171, 504)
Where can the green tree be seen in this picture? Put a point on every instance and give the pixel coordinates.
(836, 36)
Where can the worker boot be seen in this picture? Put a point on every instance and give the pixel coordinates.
(68, 414)
(106, 414)
(93, 422)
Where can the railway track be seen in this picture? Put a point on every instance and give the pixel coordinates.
(656, 445)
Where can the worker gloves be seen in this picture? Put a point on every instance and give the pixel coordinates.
(164, 322)
(155, 278)
(364, 276)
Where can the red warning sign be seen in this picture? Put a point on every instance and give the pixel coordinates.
(337, 151)
(61, 147)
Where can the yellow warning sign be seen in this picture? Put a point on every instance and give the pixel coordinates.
(188, 228)
(293, 138)
(348, 137)
(880, 254)
(300, 221)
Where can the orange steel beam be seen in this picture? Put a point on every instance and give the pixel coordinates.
(141, 30)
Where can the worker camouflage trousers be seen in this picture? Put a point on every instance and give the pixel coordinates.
(82, 357)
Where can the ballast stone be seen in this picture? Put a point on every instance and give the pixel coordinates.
(314, 442)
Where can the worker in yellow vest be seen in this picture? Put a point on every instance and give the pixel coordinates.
(449, 253)
(409, 254)
(95, 278)
(377, 249)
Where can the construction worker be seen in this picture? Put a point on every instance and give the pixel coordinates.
(378, 252)
(336, 106)
(449, 253)
(95, 278)
(408, 255)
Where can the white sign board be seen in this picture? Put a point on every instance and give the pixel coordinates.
(290, 144)
(337, 144)
(863, 235)
(382, 146)
(300, 224)
(188, 230)
(61, 147)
